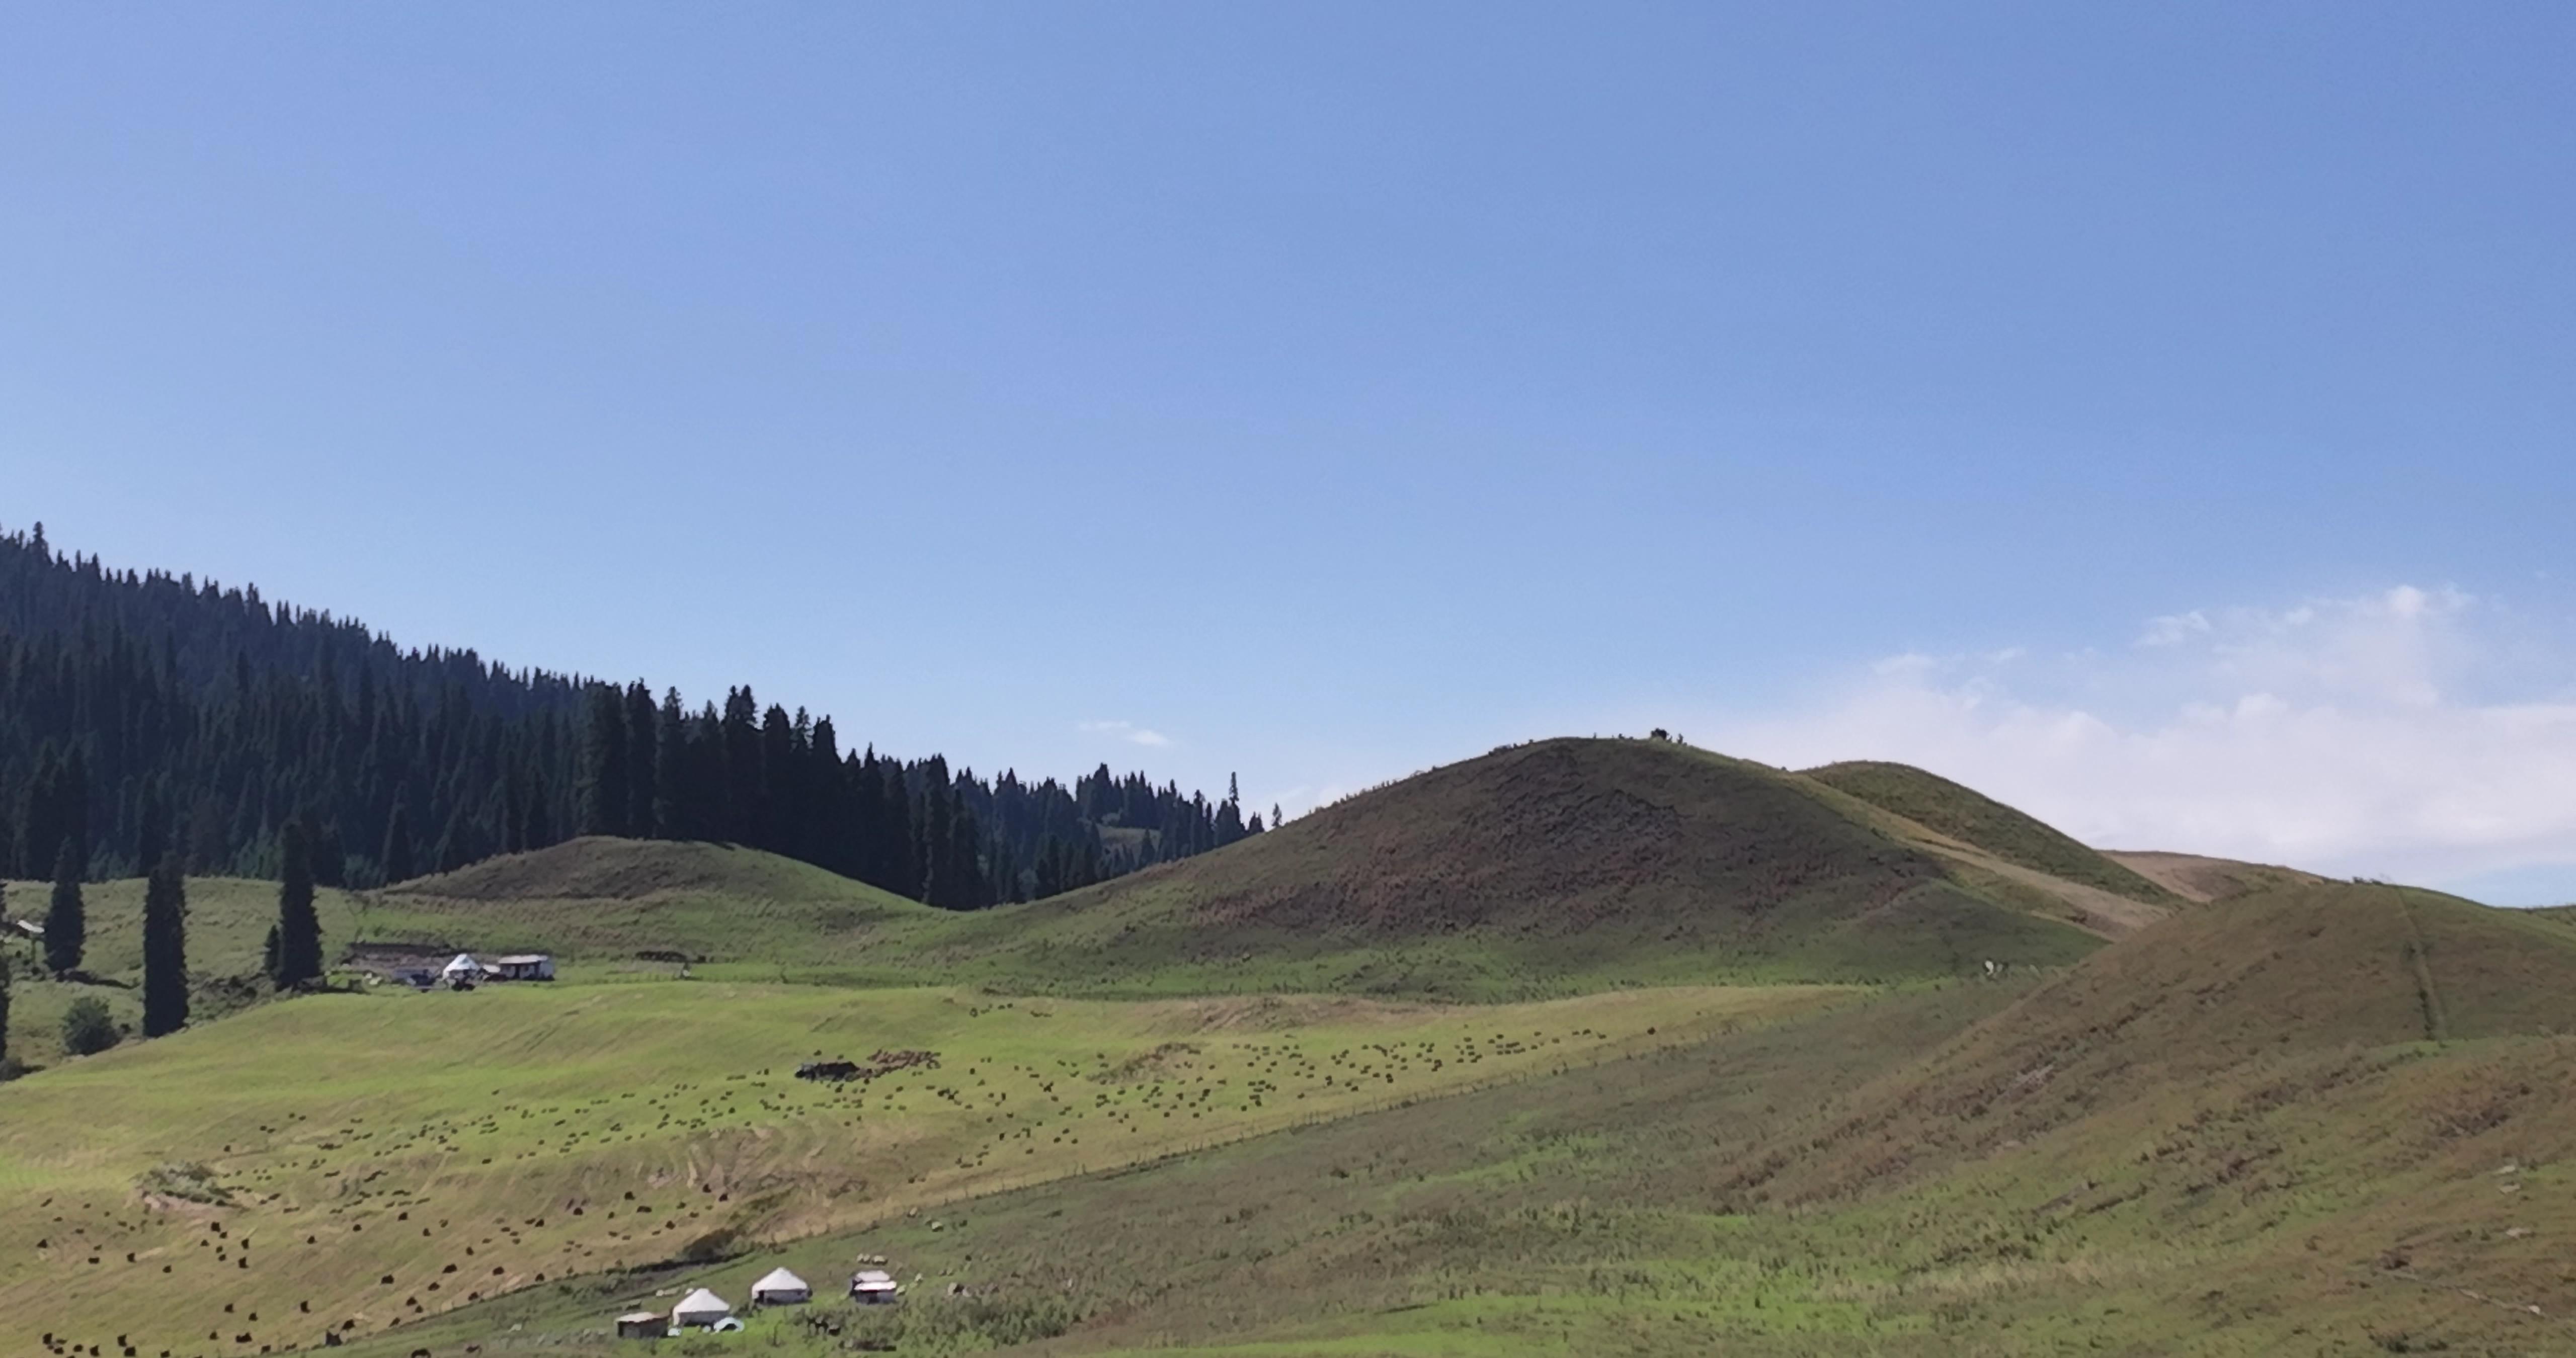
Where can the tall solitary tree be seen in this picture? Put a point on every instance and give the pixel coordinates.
(299, 930)
(4, 1009)
(66, 919)
(165, 950)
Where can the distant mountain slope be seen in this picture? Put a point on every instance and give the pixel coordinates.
(1608, 859)
(2308, 969)
(1971, 817)
(2197, 878)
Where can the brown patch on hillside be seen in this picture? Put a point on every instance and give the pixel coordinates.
(2201, 879)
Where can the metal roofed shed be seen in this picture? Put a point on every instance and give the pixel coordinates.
(643, 1325)
(874, 1286)
(526, 966)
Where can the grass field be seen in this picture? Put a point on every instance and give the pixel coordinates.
(2357, 1188)
(465, 1145)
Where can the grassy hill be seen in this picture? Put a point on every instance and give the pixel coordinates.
(2234, 1133)
(2323, 968)
(601, 903)
(1561, 864)
(1973, 818)
(2195, 877)
(1545, 869)
(373, 1161)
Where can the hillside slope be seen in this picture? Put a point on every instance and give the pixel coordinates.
(1559, 863)
(599, 901)
(2196, 877)
(1967, 815)
(2311, 969)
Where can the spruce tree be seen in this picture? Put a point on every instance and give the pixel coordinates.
(396, 861)
(66, 920)
(165, 950)
(299, 930)
(671, 771)
(643, 764)
(605, 789)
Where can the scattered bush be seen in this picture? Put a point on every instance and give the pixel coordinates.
(87, 1028)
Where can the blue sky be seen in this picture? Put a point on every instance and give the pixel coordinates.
(1324, 392)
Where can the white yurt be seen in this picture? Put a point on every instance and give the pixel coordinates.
(699, 1309)
(781, 1288)
(463, 968)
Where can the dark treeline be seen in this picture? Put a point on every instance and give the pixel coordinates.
(144, 715)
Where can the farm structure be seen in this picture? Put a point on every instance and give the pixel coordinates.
(643, 1325)
(533, 966)
(874, 1287)
(781, 1288)
(701, 1309)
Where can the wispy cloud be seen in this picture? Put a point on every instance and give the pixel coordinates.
(2378, 735)
(1127, 731)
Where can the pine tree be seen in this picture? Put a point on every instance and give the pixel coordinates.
(671, 770)
(396, 861)
(4, 1011)
(643, 763)
(605, 787)
(299, 930)
(66, 921)
(165, 950)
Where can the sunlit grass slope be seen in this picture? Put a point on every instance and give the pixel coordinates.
(1970, 816)
(228, 922)
(2335, 1121)
(467, 1145)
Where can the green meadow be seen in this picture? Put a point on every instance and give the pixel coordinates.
(285, 1162)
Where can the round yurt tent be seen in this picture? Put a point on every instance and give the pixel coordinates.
(781, 1288)
(699, 1310)
(464, 968)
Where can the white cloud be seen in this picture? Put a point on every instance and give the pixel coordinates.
(1127, 731)
(2335, 735)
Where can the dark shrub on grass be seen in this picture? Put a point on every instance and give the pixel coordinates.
(87, 1027)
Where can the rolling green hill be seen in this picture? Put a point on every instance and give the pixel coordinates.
(1973, 818)
(2233, 1133)
(1561, 864)
(1544, 869)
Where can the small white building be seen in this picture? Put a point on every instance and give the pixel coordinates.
(530, 966)
(874, 1286)
(464, 968)
(781, 1288)
(700, 1310)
